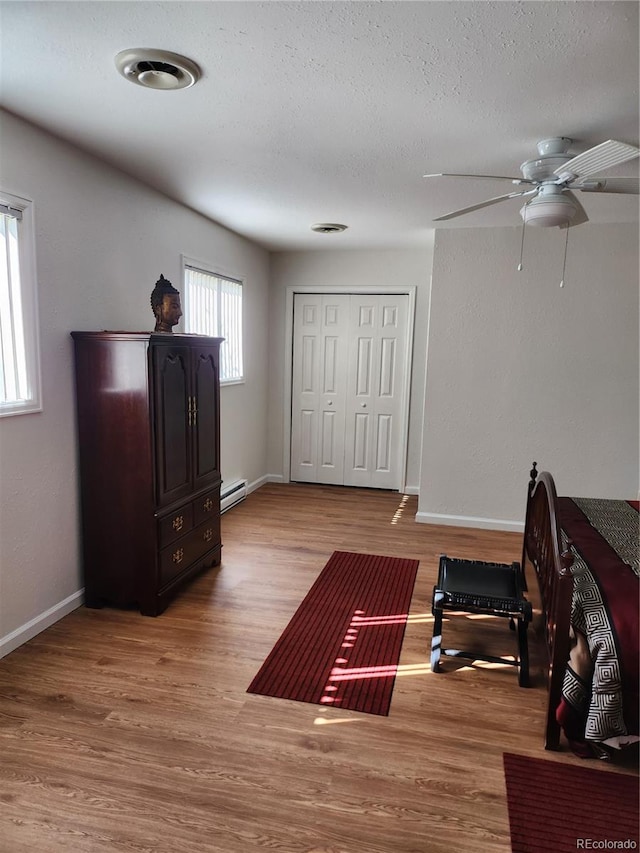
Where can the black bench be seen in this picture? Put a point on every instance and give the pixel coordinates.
(493, 589)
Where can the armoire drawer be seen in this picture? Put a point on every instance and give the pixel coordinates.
(175, 525)
(181, 554)
(206, 506)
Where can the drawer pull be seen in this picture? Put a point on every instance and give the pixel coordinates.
(178, 555)
(178, 522)
(208, 505)
(208, 535)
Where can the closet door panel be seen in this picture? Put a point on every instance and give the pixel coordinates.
(318, 388)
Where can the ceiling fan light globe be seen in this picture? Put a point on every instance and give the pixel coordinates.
(548, 212)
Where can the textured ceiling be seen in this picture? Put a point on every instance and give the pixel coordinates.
(332, 111)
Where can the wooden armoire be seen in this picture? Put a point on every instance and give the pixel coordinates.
(149, 451)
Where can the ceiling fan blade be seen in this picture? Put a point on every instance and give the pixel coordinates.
(628, 186)
(490, 177)
(482, 204)
(580, 216)
(603, 156)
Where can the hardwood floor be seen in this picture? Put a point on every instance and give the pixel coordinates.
(120, 732)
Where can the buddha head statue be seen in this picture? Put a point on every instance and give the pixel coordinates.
(165, 304)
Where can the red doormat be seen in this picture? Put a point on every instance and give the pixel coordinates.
(561, 808)
(342, 646)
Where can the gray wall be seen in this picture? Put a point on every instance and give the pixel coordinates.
(519, 369)
(102, 240)
(342, 269)
(516, 368)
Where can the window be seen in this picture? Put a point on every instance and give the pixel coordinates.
(19, 348)
(213, 306)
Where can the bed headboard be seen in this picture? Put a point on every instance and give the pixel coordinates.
(542, 548)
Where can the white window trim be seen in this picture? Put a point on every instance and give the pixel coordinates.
(219, 272)
(29, 292)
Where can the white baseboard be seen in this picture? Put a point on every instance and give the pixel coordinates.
(271, 478)
(26, 632)
(279, 478)
(411, 490)
(469, 521)
(261, 481)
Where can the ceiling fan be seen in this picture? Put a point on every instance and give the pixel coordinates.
(553, 176)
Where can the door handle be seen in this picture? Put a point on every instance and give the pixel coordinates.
(364, 405)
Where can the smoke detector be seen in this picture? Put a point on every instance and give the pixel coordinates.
(328, 227)
(157, 69)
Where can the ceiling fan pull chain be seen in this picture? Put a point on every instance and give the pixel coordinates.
(524, 222)
(564, 262)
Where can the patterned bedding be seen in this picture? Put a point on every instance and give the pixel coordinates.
(599, 706)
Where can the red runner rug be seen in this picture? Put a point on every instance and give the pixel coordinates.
(342, 646)
(561, 808)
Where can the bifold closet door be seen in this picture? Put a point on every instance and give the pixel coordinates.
(349, 358)
(320, 339)
(374, 409)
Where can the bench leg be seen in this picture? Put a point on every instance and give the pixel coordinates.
(523, 653)
(436, 639)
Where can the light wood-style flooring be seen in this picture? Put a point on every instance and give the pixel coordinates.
(121, 733)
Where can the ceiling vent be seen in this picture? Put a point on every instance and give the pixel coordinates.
(157, 69)
(328, 227)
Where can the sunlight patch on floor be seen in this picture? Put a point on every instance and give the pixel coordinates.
(355, 672)
(419, 618)
(414, 669)
(398, 513)
(368, 621)
(323, 721)
(482, 664)
(480, 616)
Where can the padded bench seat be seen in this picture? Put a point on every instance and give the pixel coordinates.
(493, 589)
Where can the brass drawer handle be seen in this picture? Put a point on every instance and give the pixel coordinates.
(192, 411)
(178, 522)
(208, 505)
(208, 535)
(178, 555)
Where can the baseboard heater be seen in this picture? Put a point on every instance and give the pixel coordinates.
(232, 494)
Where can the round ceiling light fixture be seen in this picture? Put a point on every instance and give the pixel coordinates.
(157, 69)
(328, 227)
(549, 208)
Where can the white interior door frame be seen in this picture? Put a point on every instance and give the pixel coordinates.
(292, 290)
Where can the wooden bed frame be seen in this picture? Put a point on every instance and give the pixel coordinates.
(542, 548)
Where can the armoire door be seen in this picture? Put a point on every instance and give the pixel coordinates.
(171, 368)
(204, 417)
(350, 359)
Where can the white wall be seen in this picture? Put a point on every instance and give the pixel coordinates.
(341, 269)
(519, 369)
(102, 241)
